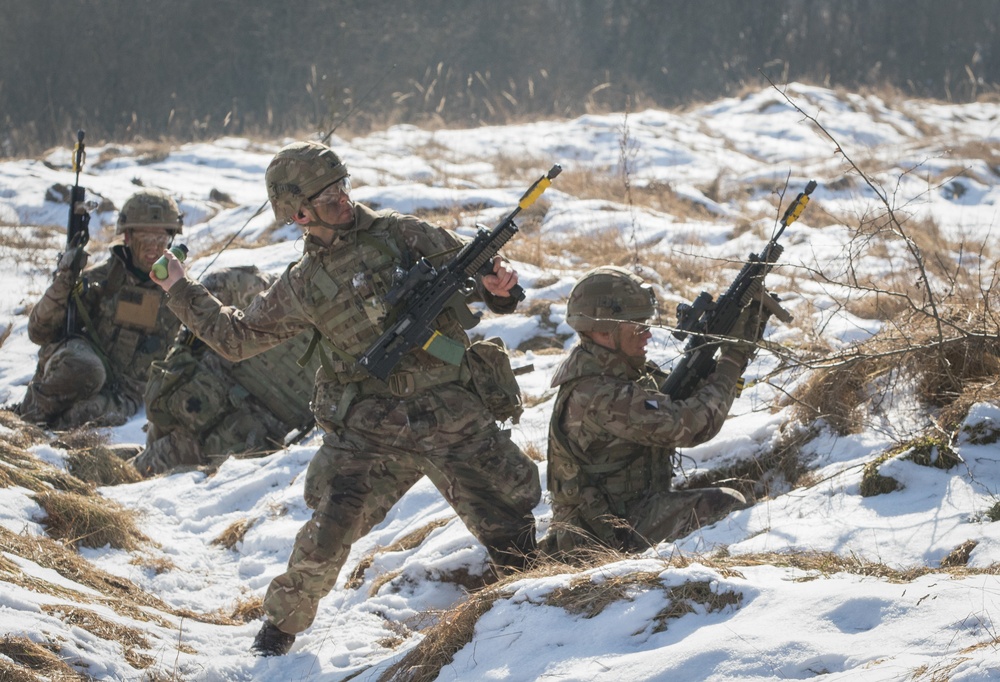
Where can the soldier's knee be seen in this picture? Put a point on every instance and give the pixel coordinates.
(75, 370)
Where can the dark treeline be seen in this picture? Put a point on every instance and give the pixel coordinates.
(192, 69)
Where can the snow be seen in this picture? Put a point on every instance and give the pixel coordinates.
(785, 622)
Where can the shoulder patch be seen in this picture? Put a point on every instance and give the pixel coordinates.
(651, 404)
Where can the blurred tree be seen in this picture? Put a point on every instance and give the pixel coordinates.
(193, 69)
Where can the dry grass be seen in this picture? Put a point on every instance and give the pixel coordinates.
(928, 451)
(960, 555)
(18, 467)
(119, 594)
(89, 521)
(247, 609)
(950, 366)
(453, 631)
(30, 656)
(101, 466)
(767, 474)
(405, 543)
(129, 638)
(157, 564)
(234, 533)
(836, 396)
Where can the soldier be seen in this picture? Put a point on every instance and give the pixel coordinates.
(95, 373)
(202, 408)
(428, 418)
(612, 433)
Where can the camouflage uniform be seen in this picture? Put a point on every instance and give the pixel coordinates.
(97, 376)
(202, 408)
(612, 436)
(381, 436)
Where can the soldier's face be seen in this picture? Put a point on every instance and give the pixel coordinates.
(333, 205)
(146, 247)
(632, 339)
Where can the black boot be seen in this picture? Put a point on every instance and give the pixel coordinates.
(271, 641)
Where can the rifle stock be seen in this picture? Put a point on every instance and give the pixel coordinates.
(707, 322)
(425, 291)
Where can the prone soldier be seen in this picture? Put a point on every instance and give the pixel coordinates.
(201, 408)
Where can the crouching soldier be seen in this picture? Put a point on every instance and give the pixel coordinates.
(430, 417)
(201, 408)
(95, 373)
(612, 432)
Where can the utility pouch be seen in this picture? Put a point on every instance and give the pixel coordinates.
(183, 394)
(493, 379)
(138, 308)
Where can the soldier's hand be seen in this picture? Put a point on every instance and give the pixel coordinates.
(175, 271)
(748, 330)
(73, 259)
(502, 280)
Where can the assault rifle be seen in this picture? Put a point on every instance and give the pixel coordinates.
(424, 291)
(707, 321)
(77, 229)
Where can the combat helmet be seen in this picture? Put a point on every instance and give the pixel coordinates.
(150, 209)
(299, 172)
(606, 296)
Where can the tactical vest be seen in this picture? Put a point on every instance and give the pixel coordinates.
(630, 472)
(134, 327)
(275, 378)
(345, 298)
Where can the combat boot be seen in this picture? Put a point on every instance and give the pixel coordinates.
(271, 641)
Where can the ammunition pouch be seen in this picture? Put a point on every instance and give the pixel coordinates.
(493, 379)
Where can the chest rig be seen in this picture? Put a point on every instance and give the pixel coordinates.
(628, 470)
(344, 290)
(133, 325)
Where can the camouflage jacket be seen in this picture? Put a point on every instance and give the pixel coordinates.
(337, 290)
(612, 435)
(124, 315)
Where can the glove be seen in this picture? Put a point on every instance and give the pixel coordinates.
(74, 259)
(748, 330)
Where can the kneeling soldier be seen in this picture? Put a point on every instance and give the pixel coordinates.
(612, 433)
(96, 372)
(201, 408)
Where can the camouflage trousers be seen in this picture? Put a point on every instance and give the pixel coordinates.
(386, 446)
(70, 389)
(666, 516)
(249, 428)
(657, 517)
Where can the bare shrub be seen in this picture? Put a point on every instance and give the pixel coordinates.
(835, 395)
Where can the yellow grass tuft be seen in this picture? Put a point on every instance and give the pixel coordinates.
(234, 533)
(89, 520)
(28, 656)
